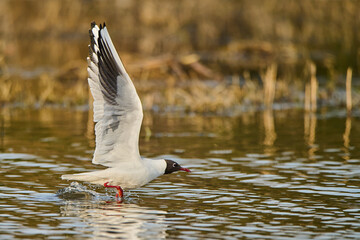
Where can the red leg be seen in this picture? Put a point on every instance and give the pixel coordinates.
(120, 193)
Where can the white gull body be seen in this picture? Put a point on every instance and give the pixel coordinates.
(118, 115)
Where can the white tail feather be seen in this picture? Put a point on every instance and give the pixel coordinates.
(96, 177)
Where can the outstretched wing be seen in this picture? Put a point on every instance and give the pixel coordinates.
(117, 108)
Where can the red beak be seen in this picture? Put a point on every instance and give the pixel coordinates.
(185, 169)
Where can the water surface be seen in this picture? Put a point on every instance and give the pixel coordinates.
(265, 175)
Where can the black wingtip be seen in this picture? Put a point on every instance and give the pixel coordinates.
(93, 24)
(90, 51)
(92, 40)
(104, 25)
(101, 26)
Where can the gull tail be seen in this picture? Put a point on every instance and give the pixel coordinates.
(77, 177)
(96, 177)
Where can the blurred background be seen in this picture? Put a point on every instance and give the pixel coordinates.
(259, 98)
(196, 56)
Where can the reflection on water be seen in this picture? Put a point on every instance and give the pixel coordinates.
(111, 220)
(270, 134)
(346, 135)
(262, 175)
(310, 132)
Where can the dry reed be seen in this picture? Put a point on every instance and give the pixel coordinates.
(313, 87)
(348, 90)
(307, 104)
(269, 85)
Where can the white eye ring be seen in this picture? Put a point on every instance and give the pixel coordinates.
(175, 164)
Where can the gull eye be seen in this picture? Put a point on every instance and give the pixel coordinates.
(175, 165)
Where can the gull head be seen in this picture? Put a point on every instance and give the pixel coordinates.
(172, 166)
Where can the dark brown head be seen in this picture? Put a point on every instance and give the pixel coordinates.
(172, 166)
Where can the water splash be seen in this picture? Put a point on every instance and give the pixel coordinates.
(77, 191)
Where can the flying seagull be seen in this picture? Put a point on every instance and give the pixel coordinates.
(118, 115)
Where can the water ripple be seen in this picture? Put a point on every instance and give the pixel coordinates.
(239, 186)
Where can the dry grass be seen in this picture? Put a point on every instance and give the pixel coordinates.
(68, 87)
(227, 96)
(261, 46)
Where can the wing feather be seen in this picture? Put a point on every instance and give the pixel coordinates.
(117, 107)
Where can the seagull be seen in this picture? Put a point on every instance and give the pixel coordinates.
(118, 115)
